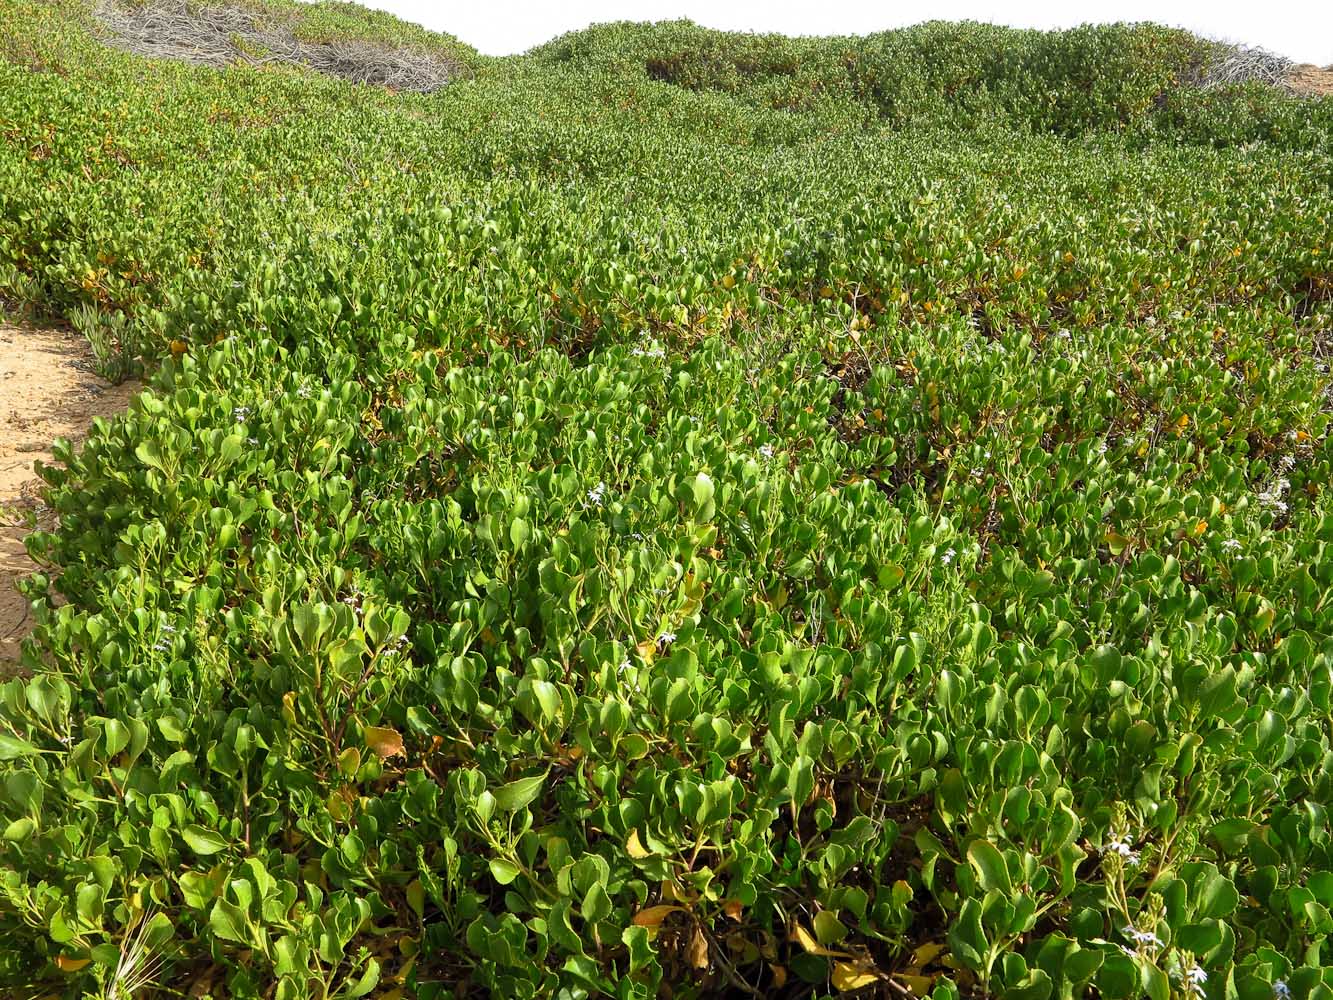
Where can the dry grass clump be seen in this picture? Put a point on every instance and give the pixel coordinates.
(222, 36)
(1239, 64)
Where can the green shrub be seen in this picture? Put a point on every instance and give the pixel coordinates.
(758, 528)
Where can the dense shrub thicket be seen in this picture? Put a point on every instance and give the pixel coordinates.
(590, 531)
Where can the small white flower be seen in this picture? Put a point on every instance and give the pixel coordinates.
(1281, 990)
(1196, 977)
(666, 639)
(303, 392)
(1141, 937)
(948, 556)
(653, 350)
(1231, 545)
(766, 450)
(624, 665)
(977, 472)
(1122, 846)
(240, 413)
(252, 442)
(596, 495)
(1286, 463)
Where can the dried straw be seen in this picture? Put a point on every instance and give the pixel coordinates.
(1238, 64)
(223, 36)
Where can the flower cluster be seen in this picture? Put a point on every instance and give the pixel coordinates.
(1274, 497)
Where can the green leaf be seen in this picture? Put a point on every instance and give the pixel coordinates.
(232, 447)
(988, 863)
(1199, 938)
(19, 830)
(702, 488)
(368, 981)
(116, 736)
(150, 454)
(503, 871)
(1155, 982)
(967, 939)
(1036, 985)
(519, 794)
(1219, 898)
(519, 531)
(11, 748)
(204, 841)
(227, 921)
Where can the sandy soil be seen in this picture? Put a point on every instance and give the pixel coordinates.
(1310, 80)
(47, 390)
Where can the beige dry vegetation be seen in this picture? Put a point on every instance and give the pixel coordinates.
(1309, 80)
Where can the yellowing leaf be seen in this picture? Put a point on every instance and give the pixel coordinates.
(66, 964)
(385, 742)
(339, 804)
(926, 954)
(654, 915)
(634, 846)
(848, 977)
(732, 908)
(1117, 543)
(807, 941)
(178, 347)
(919, 985)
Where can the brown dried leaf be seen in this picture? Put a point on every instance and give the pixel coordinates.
(654, 915)
(698, 953)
